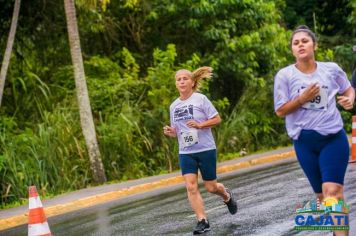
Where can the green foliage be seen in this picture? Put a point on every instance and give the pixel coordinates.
(332, 21)
(50, 155)
(347, 118)
(132, 112)
(346, 57)
(249, 129)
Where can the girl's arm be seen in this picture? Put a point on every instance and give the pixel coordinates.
(206, 124)
(169, 131)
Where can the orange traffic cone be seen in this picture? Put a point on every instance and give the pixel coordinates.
(37, 221)
(353, 141)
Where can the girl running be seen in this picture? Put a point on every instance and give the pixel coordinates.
(192, 115)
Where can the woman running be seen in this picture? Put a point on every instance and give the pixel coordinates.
(304, 93)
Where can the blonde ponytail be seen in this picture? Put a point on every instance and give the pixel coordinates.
(204, 72)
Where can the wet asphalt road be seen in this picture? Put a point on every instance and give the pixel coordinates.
(267, 199)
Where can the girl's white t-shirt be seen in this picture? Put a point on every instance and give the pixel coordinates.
(199, 108)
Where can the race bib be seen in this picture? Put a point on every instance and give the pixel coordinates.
(190, 138)
(320, 102)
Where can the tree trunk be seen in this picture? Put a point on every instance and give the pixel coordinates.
(10, 42)
(86, 117)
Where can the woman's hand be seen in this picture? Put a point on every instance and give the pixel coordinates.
(169, 131)
(346, 102)
(309, 93)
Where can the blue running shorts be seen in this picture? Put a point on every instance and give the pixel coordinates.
(204, 161)
(323, 158)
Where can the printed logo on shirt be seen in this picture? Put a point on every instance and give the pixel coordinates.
(183, 113)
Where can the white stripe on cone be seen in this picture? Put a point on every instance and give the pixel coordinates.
(354, 125)
(353, 140)
(38, 229)
(34, 202)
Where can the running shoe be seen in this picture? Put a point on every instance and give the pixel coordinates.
(202, 227)
(231, 204)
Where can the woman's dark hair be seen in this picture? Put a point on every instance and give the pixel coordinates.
(305, 29)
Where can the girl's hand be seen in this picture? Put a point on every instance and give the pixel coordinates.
(346, 102)
(193, 124)
(169, 131)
